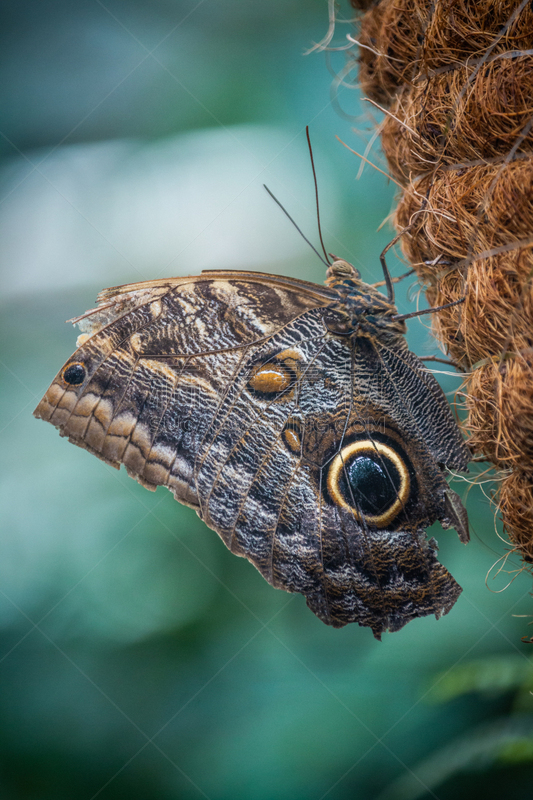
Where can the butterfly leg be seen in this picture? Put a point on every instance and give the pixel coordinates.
(384, 267)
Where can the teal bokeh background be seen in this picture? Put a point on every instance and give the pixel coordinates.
(138, 657)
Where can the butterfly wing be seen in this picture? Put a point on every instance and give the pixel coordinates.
(228, 389)
(265, 469)
(155, 360)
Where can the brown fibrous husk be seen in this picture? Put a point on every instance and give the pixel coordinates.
(516, 508)
(500, 393)
(457, 80)
(461, 116)
(405, 38)
(453, 221)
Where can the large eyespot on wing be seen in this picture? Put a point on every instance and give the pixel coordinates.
(370, 479)
(74, 373)
(158, 386)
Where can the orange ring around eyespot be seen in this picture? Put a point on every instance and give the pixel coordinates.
(371, 447)
(69, 366)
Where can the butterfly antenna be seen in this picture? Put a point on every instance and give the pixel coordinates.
(316, 191)
(296, 226)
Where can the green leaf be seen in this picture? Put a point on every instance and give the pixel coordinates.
(507, 739)
(494, 675)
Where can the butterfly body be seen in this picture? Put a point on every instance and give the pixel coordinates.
(292, 417)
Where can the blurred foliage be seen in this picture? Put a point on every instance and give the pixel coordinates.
(138, 657)
(492, 676)
(505, 740)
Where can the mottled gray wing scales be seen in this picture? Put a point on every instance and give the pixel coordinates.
(346, 572)
(85, 418)
(244, 467)
(265, 506)
(298, 533)
(382, 580)
(155, 377)
(412, 386)
(168, 394)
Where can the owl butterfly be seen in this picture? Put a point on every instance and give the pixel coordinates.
(291, 417)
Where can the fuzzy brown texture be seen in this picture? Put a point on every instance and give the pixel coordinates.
(461, 116)
(516, 507)
(453, 221)
(457, 80)
(499, 404)
(406, 38)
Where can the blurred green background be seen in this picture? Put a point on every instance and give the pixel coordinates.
(139, 658)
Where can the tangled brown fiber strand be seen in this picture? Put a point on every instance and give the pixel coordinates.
(455, 78)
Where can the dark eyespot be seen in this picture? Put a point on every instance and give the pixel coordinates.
(74, 374)
(370, 485)
(370, 479)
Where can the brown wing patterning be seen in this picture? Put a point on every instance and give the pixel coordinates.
(301, 429)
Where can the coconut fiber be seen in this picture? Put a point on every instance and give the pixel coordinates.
(456, 81)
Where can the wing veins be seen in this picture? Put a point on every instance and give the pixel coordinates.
(265, 459)
(101, 363)
(257, 417)
(416, 539)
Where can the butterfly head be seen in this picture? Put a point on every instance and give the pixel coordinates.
(340, 270)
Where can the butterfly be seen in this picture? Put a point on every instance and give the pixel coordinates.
(292, 417)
